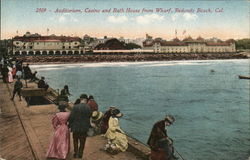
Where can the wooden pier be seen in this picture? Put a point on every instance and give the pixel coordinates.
(26, 131)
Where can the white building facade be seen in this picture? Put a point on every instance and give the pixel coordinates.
(189, 46)
(47, 45)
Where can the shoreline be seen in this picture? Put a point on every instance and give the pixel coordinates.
(72, 59)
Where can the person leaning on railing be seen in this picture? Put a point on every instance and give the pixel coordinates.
(160, 144)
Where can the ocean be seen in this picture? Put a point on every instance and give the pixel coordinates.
(208, 100)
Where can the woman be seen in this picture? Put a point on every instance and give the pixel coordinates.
(10, 76)
(117, 139)
(96, 122)
(105, 120)
(60, 144)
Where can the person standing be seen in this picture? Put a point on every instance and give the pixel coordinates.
(79, 124)
(10, 76)
(92, 103)
(5, 72)
(17, 89)
(27, 73)
(160, 144)
(60, 144)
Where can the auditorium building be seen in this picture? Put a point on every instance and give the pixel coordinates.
(189, 45)
(35, 44)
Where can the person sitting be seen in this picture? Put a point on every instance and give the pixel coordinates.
(160, 144)
(33, 77)
(92, 103)
(105, 120)
(65, 90)
(78, 100)
(96, 122)
(42, 84)
(117, 139)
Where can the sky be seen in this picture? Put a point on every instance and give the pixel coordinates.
(223, 19)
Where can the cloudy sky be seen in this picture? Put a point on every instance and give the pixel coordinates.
(223, 19)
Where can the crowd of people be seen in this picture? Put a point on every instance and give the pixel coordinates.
(84, 119)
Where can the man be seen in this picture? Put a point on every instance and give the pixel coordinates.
(27, 73)
(41, 84)
(17, 89)
(33, 77)
(160, 144)
(79, 123)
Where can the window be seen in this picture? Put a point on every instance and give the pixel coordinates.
(37, 43)
(63, 47)
(17, 42)
(30, 47)
(69, 47)
(24, 47)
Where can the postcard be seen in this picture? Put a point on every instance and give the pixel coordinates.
(142, 79)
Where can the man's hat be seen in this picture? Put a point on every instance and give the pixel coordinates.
(170, 119)
(83, 96)
(96, 115)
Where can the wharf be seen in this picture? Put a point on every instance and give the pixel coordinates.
(26, 132)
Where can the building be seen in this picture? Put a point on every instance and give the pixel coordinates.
(35, 44)
(189, 45)
(111, 44)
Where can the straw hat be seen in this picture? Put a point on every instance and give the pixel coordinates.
(96, 115)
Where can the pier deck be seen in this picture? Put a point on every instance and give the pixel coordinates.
(26, 132)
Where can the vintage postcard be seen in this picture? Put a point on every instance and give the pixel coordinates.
(125, 80)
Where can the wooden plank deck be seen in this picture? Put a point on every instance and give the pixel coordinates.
(14, 144)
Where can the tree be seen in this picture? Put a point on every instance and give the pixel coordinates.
(132, 46)
(243, 44)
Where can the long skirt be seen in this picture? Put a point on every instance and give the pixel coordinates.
(60, 144)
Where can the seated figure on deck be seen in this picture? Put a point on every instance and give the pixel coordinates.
(96, 122)
(160, 144)
(105, 120)
(117, 139)
(42, 84)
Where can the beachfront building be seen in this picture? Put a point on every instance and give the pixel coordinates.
(35, 44)
(189, 45)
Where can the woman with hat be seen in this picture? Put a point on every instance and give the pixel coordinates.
(117, 139)
(60, 143)
(160, 144)
(96, 122)
(105, 119)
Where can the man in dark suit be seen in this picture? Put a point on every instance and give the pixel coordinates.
(160, 144)
(79, 123)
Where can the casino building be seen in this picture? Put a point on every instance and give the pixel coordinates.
(188, 45)
(35, 44)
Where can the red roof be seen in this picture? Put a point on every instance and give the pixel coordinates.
(47, 38)
(217, 44)
(188, 39)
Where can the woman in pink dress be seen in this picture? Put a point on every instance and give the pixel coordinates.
(60, 144)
